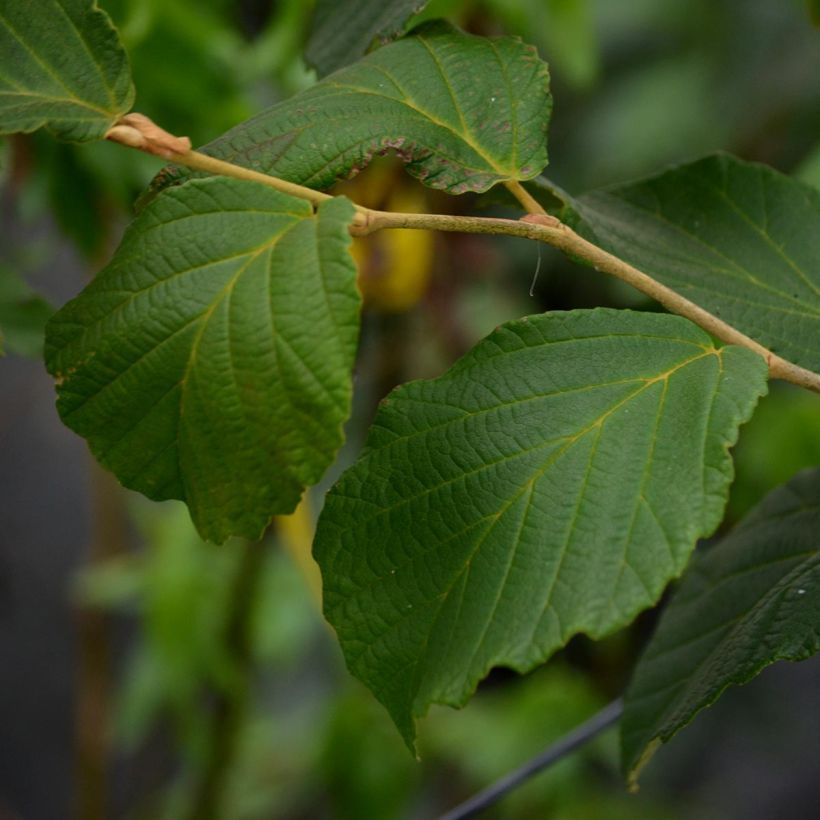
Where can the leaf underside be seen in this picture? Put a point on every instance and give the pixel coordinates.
(61, 66)
(550, 483)
(737, 238)
(462, 112)
(210, 360)
(751, 600)
(341, 33)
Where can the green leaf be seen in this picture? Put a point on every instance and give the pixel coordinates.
(550, 483)
(63, 67)
(814, 11)
(463, 113)
(737, 238)
(23, 316)
(210, 361)
(751, 600)
(343, 32)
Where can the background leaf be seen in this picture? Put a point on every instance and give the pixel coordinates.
(550, 483)
(749, 601)
(210, 361)
(23, 316)
(563, 30)
(62, 66)
(343, 32)
(737, 238)
(462, 112)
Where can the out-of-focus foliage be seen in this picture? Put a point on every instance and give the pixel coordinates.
(782, 438)
(809, 169)
(313, 742)
(23, 316)
(562, 29)
(341, 33)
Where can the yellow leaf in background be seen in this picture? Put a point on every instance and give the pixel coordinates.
(295, 532)
(394, 265)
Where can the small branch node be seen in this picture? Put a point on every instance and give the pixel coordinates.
(542, 219)
(138, 131)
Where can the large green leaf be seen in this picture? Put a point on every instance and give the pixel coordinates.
(463, 112)
(61, 66)
(550, 483)
(23, 316)
(210, 361)
(750, 601)
(737, 238)
(343, 32)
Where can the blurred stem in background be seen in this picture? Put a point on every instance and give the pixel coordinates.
(228, 707)
(95, 668)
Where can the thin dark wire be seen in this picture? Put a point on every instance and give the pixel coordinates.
(537, 269)
(569, 743)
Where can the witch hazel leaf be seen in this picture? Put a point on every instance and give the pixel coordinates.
(749, 601)
(342, 32)
(211, 360)
(462, 112)
(737, 238)
(551, 483)
(62, 66)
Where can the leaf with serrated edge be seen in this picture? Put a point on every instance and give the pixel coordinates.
(210, 361)
(749, 601)
(737, 238)
(462, 112)
(550, 483)
(343, 32)
(62, 66)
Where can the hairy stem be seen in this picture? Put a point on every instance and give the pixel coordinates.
(211, 165)
(137, 131)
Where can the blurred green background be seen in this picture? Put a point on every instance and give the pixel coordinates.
(146, 674)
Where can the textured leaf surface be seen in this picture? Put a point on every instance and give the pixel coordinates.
(61, 66)
(463, 112)
(739, 239)
(23, 316)
(343, 32)
(750, 601)
(210, 361)
(550, 483)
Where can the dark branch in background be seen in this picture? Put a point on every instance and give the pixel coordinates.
(229, 707)
(109, 528)
(608, 716)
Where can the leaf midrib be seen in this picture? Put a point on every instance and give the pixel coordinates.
(535, 477)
